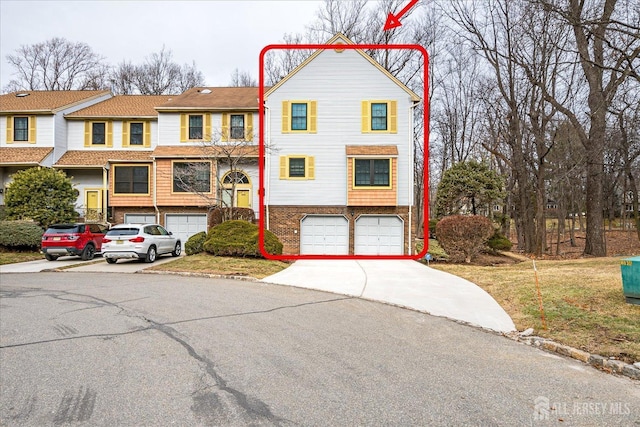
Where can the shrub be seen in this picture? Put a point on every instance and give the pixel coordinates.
(499, 242)
(463, 236)
(194, 243)
(20, 235)
(240, 239)
(432, 228)
(219, 215)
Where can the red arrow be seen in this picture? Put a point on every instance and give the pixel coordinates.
(393, 21)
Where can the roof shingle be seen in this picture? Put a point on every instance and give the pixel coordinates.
(78, 158)
(372, 150)
(48, 101)
(213, 98)
(23, 155)
(128, 106)
(204, 151)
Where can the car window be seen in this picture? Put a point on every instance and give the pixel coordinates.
(94, 228)
(128, 231)
(62, 229)
(163, 231)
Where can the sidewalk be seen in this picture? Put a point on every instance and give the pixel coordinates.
(404, 283)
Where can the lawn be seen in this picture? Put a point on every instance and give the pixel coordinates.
(13, 257)
(582, 299)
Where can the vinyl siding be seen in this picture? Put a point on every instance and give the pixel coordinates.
(338, 82)
(169, 128)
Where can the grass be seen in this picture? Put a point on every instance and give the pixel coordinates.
(13, 257)
(209, 264)
(582, 299)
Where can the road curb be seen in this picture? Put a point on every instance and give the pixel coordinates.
(192, 274)
(602, 363)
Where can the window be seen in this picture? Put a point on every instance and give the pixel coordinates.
(299, 116)
(372, 172)
(191, 177)
(379, 116)
(237, 126)
(20, 128)
(297, 167)
(136, 134)
(131, 180)
(98, 133)
(195, 127)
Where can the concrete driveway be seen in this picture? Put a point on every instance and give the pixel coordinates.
(404, 283)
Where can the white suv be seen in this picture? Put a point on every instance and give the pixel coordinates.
(140, 241)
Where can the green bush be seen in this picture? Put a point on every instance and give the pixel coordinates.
(240, 239)
(194, 243)
(463, 236)
(20, 235)
(432, 227)
(219, 215)
(499, 242)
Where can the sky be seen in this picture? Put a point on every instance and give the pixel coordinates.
(219, 35)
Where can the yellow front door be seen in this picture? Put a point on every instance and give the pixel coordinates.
(243, 198)
(93, 205)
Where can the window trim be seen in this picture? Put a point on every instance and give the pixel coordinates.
(206, 126)
(174, 162)
(367, 116)
(108, 133)
(129, 165)
(309, 167)
(146, 133)
(287, 116)
(225, 130)
(390, 159)
(31, 129)
(93, 134)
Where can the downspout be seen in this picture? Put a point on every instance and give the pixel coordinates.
(155, 201)
(411, 176)
(267, 166)
(105, 191)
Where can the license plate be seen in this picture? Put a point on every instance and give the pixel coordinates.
(119, 242)
(56, 238)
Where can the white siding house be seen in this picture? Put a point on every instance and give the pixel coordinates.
(339, 173)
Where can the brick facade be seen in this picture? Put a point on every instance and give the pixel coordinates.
(285, 222)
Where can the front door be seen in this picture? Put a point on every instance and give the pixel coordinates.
(92, 198)
(243, 198)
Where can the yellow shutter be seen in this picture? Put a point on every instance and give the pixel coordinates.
(286, 123)
(248, 133)
(311, 168)
(312, 116)
(366, 112)
(393, 116)
(32, 129)
(206, 132)
(125, 133)
(184, 136)
(224, 133)
(283, 167)
(9, 129)
(109, 135)
(87, 133)
(147, 134)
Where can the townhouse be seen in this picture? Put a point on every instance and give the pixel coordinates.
(339, 171)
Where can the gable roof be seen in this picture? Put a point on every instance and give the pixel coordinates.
(126, 106)
(214, 98)
(23, 155)
(339, 39)
(46, 101)
(100, 158)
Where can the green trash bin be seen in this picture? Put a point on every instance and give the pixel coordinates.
(630, 268)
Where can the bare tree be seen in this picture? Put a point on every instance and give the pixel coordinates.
(56, 64)
(123, 79)
(159, 75)
(242, 79)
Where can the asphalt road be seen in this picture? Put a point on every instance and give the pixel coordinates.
(154, 350)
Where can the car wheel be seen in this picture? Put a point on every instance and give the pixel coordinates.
(88, 252)
(50, 257)
(151, 254)
(111, 260)
(177, 250)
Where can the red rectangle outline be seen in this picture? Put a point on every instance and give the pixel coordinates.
(261, 149)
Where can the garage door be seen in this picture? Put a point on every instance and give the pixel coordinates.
(379, 235)
(324, 235)
(185, 226)
(140, 218)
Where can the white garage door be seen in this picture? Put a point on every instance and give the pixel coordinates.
(185, 226)
(324, 235)
(379, 235)
(139, 218)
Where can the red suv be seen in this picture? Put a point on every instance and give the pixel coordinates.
(73, 239)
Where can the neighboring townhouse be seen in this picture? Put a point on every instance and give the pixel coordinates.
(339, 171)
(33, 130)
(206, 155)
(109, 154)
